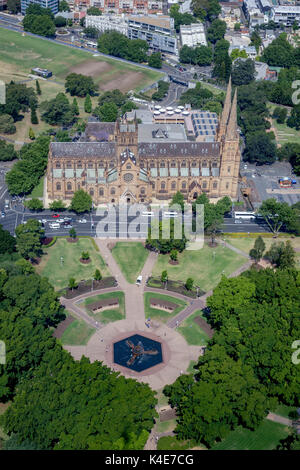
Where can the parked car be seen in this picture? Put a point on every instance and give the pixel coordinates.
(3, 214)
(67, 225)
(238, 221)
(60, 221)
(43, 221)
(68, 219)
(82, 221)
(54, 225)
(55, 216)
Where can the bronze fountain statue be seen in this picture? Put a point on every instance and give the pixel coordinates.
(137, 351)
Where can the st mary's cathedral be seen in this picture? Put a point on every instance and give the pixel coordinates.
(127, 162)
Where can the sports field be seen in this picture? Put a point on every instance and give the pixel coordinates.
(19, 54)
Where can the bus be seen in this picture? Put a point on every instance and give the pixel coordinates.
(42, 72)
(244, 215)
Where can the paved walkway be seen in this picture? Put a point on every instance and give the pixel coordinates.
(280, 419)
(178, 353)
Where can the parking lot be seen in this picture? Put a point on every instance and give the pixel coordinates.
(264, 180)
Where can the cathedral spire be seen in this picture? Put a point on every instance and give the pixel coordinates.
(231, 132)
(226, 110)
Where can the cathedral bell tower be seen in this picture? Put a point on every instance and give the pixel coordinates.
(230, 155)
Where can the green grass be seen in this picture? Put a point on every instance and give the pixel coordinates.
(192, 332)
(38, 191)
(166, 426)
(285, 410)
(190, 368)
(265, 437)
(22, 53)
(201, 265)
(131, 257)
(58, 274)
(172, 443)
(162, 315)
(77, 333)
(162, 400)
(107, 316)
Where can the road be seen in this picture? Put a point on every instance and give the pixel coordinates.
(115, 224)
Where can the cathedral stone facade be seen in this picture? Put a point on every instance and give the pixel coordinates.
(114, 166)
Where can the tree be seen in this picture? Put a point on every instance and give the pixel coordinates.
(174, 255)
(72, 283)
(88, 104)
(91, 32)
(7, 152)
(177, 200)
(94, 11)
(34, 204)
(62, 136)
(155, 60)
(260, 148)
(37, 24)
(28, 238)
(280, 114)
(34, 118)
(108, 112)
(58, 111)
(31, 134)
(57, 206)
(60, 21)
(73, 233)
(97, 275)
(75, 107)
(14, 6)
(80, 85)
(294, 118)
(69, 22)
(63, 6)
(38, 88)
(279, 53)
(277, 214)
(164, 276)
(7, 242)
(81, 202)
(257, 251)
(189, 283)
(28, 170)
(237, 26)
(243, 72)
(85, 255)
(256, 40)
(282, 255)
(216, 31)
(7, 124)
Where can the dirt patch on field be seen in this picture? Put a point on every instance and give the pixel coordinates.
(125, 81)
(91, 67)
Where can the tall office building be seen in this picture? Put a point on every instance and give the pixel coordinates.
(52, 4)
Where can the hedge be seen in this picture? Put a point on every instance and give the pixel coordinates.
(51, 243)
(260, 234)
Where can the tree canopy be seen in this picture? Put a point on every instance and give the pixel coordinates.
(80, 85)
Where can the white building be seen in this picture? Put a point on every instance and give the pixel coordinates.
(286, 15)
(193, 35)
(107, 23)
(254, 14)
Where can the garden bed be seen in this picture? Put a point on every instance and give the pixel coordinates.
(87, 286)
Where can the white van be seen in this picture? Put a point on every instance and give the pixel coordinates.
(54, 225)
(139, 280)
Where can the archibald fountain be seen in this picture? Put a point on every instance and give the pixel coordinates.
(137, 352)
